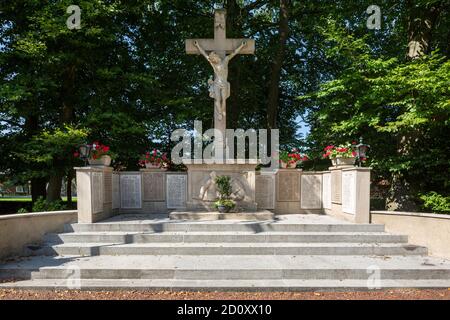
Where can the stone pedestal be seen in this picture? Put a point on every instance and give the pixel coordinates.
(263, 215)
(350, 193)
(202, 192)
(94, 193)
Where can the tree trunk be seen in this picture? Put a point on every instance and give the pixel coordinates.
(277, 64)
(66, 117)
(422, 20)
(70, 177)
(234, 30)
(54, 187)
(38, 185)
(38, 188)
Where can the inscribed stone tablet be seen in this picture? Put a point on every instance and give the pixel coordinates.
(107, 187)
(265, 191)
(130, 191)
(336, 186)
(97, 192)
(349, 192)
(326, 190)
(311, 190)
(176, 191)
(288, 186)
(116, 191)
(154, 186)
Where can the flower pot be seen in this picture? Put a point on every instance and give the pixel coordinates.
(104, 161)
(223, 209)
(345, 161)
(334, 162)
(285, 165)
(292, 165)
(150, 165)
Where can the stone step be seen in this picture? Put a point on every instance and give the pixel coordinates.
(289, 285)
(222, 227)
(230, 267)
(233, 248)
(209, 237)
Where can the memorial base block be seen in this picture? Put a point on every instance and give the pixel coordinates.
(213, 216)
(202, 191)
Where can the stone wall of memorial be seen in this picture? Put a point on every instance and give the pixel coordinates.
(342, 192)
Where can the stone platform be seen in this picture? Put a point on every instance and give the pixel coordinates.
(264, 215)
(288, 253)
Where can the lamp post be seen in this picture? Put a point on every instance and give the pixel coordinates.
(85, 152)
(361, 151)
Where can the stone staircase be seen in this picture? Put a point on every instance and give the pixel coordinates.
(315, 253)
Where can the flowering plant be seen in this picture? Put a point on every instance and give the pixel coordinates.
(342, 151)
(97, 150)
(155, 157)
(292, 157)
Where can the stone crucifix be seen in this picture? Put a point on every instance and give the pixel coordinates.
(219, 51)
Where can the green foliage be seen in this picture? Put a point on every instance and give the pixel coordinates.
(42, 205)
(22, 210)
(224, 187)
(401, 107)
(227, 203)
(125, 76)
(53, 145)
(436, 202)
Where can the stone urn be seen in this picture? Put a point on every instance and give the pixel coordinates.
(288, 165)
(104, 161)
(150, 165)
(345, 161)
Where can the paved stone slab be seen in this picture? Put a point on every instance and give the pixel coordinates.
(211, 216)
(227, 285)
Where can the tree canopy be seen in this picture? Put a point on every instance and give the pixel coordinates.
(123, 78)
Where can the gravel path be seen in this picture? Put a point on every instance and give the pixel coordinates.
(403, 294)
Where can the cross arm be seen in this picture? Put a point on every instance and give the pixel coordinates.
(228, 45)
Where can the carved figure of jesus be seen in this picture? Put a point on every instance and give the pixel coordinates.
(220, 87)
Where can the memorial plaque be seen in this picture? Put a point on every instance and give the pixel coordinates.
(326, 190)
(265, 191)
(311, 191)
(97, 192)
(336, 185)
(116, 191)
(349, 192)
(288, 186)
(154, 186)
(130, 191)
(176, 191)
(107, 187)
